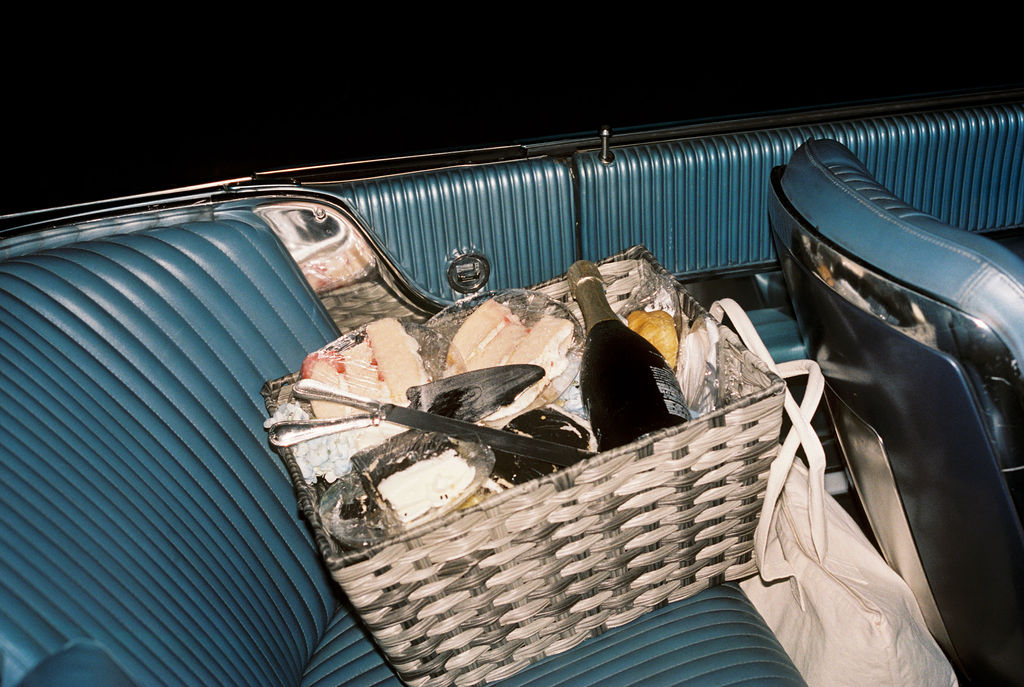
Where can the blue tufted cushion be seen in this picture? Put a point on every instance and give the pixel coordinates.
(713, 639)
(141, 506)
(959, 268)
(80, 663)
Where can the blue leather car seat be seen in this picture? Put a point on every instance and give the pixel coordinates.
(919, 329)
(148, 534)
(141, 507)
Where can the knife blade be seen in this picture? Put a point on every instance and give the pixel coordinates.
(530, 447)
(288, 433)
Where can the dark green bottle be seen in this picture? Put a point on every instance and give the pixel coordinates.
(627, 387)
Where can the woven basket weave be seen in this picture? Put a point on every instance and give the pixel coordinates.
(481, 593)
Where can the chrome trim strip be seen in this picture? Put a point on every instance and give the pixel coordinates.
(559, 147)
(571, 145)
(876, 487)
(393, 273)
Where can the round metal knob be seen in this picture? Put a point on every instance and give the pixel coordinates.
(468, 272)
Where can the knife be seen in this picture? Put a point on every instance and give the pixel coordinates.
(289, 433)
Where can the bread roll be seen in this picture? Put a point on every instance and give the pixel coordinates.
(659, 329)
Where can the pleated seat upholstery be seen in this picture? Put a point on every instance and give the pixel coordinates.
(146, 529)
(713, 639)
(142, 507)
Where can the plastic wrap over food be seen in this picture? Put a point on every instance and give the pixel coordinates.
(509, 327)
(378, 361)
(655, 312)
(659, 328)
(657, 292)
(326, 458)
(409, 479)
(697, 367)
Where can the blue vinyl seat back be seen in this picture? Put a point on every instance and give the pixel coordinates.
(141, 510)
(699, 202)
(963, 269)
(908, 316)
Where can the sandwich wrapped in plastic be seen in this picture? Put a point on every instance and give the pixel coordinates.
(378, 361)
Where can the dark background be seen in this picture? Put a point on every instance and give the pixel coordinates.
(72, 138)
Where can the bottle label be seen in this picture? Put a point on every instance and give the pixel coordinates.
(675, 404)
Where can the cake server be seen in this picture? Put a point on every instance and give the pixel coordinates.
(467, 396)
(289, 433)
(475, 394)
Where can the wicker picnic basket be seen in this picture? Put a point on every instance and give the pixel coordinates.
(481, 593)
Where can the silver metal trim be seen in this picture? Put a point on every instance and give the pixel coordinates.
(223, 200)
(876, 487)
(558, 147)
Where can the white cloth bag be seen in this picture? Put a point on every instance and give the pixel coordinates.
(843, 615)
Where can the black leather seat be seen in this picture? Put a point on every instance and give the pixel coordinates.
(919, 329)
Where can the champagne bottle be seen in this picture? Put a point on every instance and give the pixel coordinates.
(627, 387)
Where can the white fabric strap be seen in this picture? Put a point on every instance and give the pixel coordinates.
(801, 434)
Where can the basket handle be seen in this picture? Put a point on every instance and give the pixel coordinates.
(801, 434)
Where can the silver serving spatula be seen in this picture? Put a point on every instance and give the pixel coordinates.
(476, 394)
(467, 396)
